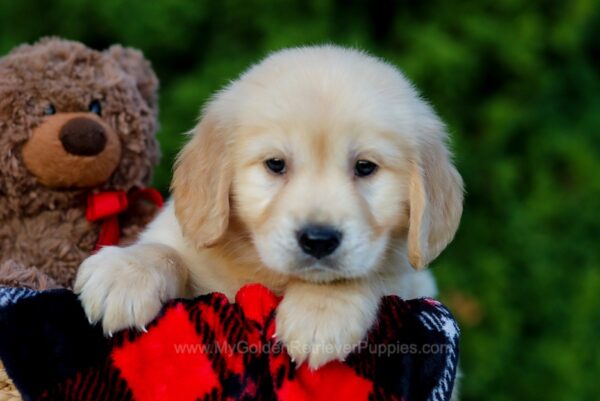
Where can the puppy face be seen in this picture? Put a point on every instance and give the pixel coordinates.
(320, 197)
(328, 158)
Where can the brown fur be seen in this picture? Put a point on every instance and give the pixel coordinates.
(42, 226)
(13, 274)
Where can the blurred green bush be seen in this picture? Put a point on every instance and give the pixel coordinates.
(519, 86)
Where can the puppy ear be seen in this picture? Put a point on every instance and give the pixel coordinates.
(201, 184)
(436, 195)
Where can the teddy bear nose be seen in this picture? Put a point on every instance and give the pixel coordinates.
(83, 137)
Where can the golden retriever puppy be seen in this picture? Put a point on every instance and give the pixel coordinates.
(319, 173)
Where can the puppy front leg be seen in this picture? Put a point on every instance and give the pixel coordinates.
(319, 323)
(126, 287)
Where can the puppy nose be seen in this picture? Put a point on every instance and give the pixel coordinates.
(319, 241)
(83, 137)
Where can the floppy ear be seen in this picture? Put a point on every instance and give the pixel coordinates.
(436, 194)
(201, 184)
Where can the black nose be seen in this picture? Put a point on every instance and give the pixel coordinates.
(319, 241)
(83, 137)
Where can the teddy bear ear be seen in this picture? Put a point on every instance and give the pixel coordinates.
(132, 61)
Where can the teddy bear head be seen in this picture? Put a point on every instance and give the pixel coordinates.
(73, 120)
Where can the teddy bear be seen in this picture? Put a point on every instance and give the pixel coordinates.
(77, 139)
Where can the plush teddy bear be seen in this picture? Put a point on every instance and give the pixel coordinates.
(77, 143)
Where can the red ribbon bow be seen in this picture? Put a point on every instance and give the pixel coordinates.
(106, 206)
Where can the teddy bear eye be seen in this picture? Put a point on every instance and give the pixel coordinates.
(96, 107)
(49, 110)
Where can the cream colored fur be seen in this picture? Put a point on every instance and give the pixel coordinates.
(232, 222)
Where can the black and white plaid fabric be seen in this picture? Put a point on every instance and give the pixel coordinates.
(10, 295)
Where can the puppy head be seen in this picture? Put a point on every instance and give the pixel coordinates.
(328, 158)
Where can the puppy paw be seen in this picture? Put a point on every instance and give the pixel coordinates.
(318, 330)
(125, 287)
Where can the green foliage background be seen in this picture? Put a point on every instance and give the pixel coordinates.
(518, 84)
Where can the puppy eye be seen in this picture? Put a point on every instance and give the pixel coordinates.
(275, 165)
(364, 168)
(95, 107)
(49, 110)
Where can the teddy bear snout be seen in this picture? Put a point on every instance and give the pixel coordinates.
(83, 137)
(72, 150)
